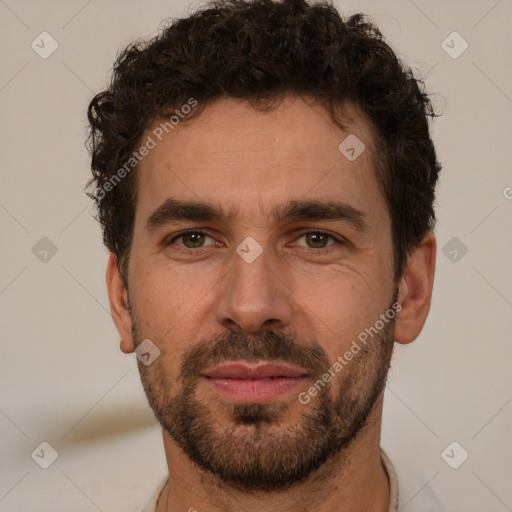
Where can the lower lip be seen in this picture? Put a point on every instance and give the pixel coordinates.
(257, 390)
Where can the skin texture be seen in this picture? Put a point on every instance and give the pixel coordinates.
(314, 294)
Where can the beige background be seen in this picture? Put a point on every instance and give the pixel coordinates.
(64, 380)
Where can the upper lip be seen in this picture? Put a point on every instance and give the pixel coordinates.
(243, 370)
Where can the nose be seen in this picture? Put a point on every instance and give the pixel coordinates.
(253, 297)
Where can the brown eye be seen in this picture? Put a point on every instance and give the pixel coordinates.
(193, 240)
(190, 239)
(318, 239)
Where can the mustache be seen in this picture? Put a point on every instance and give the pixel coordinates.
(269, 345)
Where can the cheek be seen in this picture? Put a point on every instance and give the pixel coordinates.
(165, 290)
(164, 307)
(334, 310)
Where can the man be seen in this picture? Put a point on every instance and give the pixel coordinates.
(265, 179)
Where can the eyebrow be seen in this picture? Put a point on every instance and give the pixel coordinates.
(174, 210)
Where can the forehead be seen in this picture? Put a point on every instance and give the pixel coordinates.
(234, 155)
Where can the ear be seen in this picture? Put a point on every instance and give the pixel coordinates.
(415, 290)
(118, 298)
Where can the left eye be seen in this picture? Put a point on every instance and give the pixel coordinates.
(191, 239)
(317, 239)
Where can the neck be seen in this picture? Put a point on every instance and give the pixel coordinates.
(352, 481)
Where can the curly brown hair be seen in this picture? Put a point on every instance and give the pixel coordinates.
(259, 51)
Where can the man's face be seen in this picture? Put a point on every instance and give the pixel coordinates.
(316, 285)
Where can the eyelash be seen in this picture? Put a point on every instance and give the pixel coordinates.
(310, 250)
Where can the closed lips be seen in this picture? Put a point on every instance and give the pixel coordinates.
(254, 372)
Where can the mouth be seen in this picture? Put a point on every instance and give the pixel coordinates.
(244, 382)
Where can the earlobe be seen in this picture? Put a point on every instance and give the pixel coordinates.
(415, 290)
(119, 305)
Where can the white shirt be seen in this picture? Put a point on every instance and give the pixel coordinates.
(390, 470)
